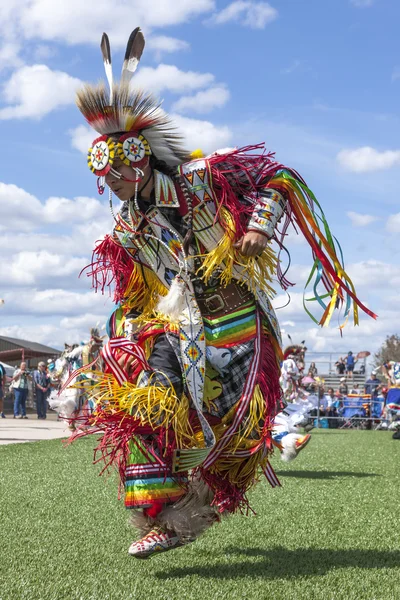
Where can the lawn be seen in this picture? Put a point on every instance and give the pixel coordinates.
(331, 532)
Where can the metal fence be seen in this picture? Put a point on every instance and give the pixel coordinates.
(355, 413)
(325, 362)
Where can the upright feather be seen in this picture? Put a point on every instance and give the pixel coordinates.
(106, 52)
(134, 50)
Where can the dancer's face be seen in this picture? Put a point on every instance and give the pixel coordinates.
(124, 190)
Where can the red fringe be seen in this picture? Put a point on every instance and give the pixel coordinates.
(228, 497)
(117, 431)
(111, 265)
(241, 174)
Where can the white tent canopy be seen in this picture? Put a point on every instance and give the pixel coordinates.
(8, 369)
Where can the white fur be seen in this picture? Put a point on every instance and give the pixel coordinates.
(173, 304)
(288, 443)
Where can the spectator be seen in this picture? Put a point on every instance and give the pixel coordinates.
(20, 387)
(330, 396)
(372, 385)
(350, 362)
(2, 389)
(343, 389)
(313, 371)
(340, 366)
(42, 384)
(337, 406)
(323, 403)
(362, 369)
(355, 389)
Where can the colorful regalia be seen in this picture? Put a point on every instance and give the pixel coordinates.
(188, 383)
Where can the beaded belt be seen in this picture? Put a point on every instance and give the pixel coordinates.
(223, 300)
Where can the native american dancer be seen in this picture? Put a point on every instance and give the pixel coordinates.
(66, 398)
(186, 399)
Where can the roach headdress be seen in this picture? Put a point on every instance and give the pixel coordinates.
(130, 122)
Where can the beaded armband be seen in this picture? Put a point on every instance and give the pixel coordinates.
(267, 212)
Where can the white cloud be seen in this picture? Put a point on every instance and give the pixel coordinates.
(359, 220)
(81, 23)
(9, 56)
(161, 44)
(204, 101)
(36, 90)
(249, 14)
(393, 223)
(82, 137)
(23, 211)
(53, 302)
(85, 321)
(202, 134)
(30, 268)
(375, 275)
(362, 160)
(170, 78)
(57, 333)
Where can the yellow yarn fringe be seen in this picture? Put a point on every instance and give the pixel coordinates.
(143, 293)
(152, 405)
(259, 270)
(238, 470)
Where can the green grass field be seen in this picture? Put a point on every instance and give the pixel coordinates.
(331, 532)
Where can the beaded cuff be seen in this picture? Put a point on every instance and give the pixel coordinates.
(267, 212)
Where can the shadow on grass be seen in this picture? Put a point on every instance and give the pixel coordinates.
(324, 474)
(281, 563)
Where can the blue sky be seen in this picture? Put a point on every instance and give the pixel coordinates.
(319, 82)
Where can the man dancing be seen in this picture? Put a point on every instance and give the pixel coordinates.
(189, 380)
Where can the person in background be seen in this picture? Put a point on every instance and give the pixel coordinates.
(372, 385)
(42, 384)
(343, 389)
(340, 366)
(331, 410)
(324, 402)
(355, 389)
(330, 395)
(312, 371)
(20, 387)
(2, 389)
(350, 363)
(337, 406)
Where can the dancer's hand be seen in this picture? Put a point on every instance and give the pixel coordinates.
(252, 244)
(125, 361)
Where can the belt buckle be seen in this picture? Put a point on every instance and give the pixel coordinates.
(208, 302)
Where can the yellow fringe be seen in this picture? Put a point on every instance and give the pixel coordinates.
(238, 470)
(241, 472)
(259, 270)
(143, 293)
(152, 405)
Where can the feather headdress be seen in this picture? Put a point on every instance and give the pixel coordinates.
(122, 109)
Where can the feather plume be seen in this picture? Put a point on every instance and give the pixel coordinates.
(106, 52)
(134, 50)
(123, 109)
(173, 304)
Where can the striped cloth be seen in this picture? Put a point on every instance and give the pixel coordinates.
(146, 481)
(237, 327)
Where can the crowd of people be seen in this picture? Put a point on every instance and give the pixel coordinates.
(304, 386)
(347, 365)
(23, 379)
